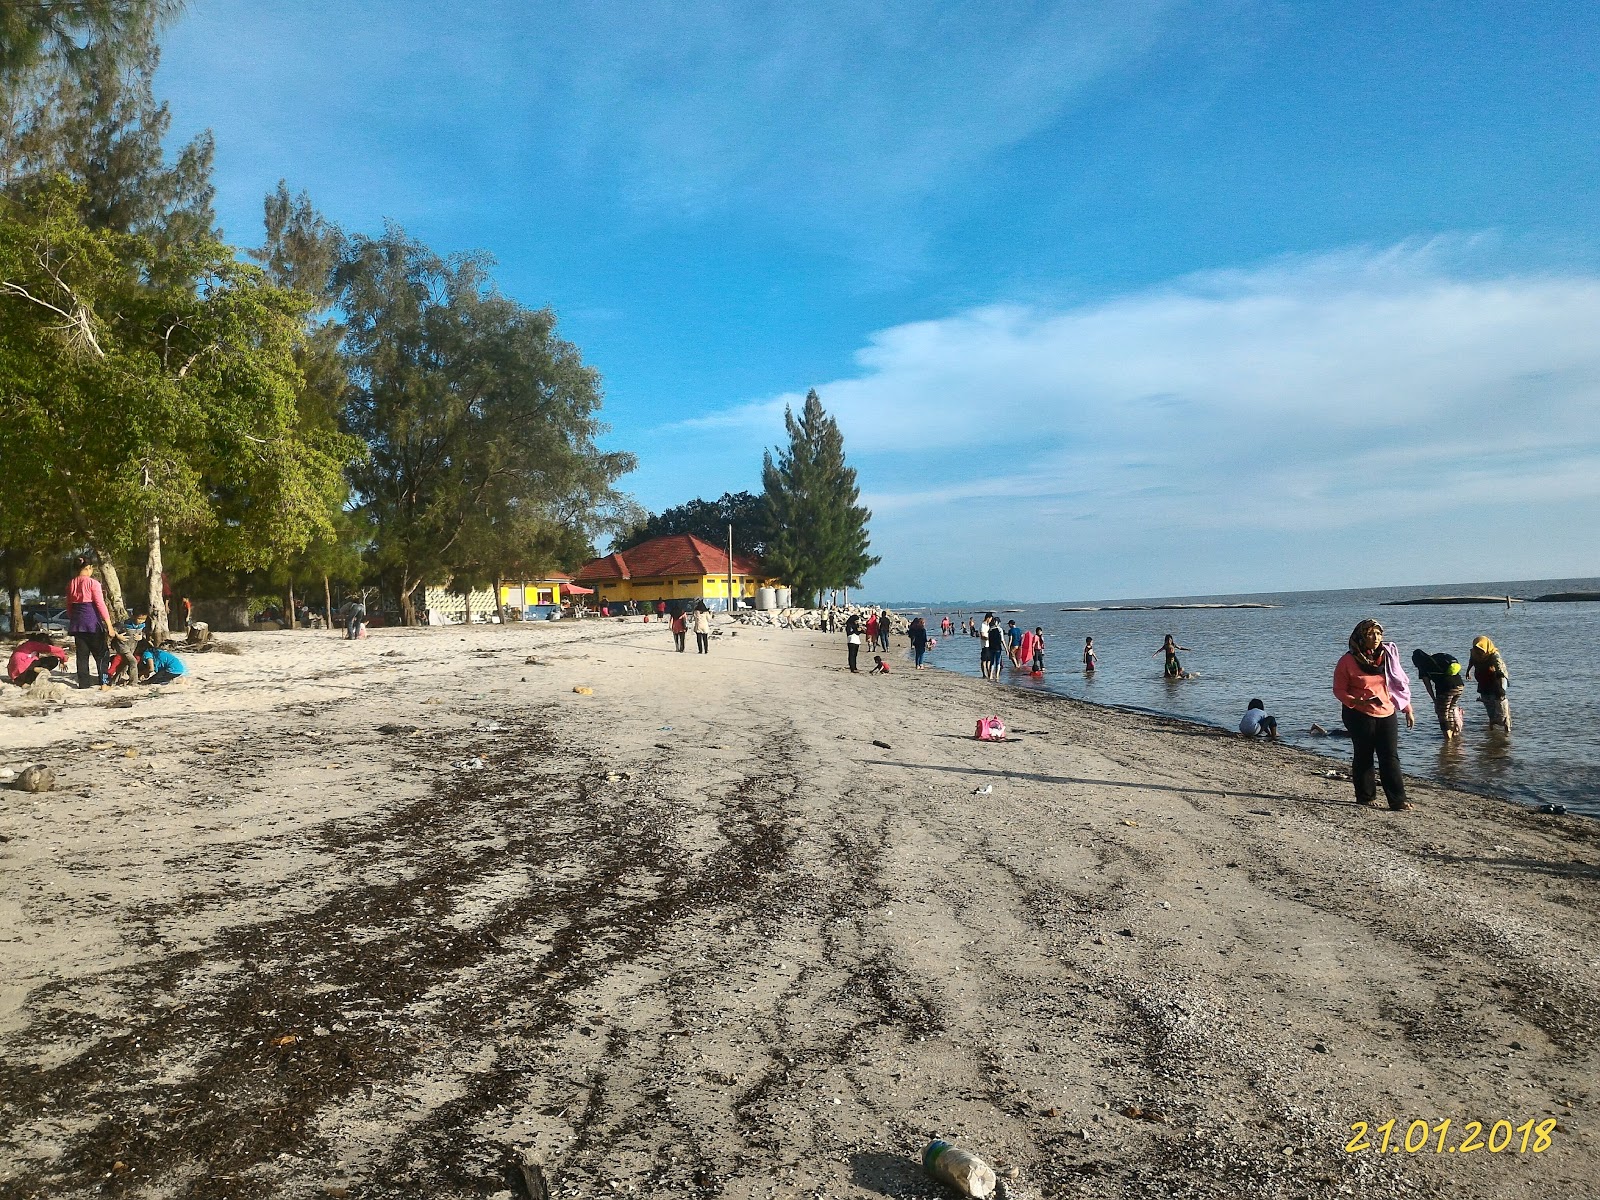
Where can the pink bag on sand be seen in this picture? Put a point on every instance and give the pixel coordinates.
(990, 729)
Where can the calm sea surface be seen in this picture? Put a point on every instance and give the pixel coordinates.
(1286, 655)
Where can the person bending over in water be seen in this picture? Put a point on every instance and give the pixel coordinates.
(1088, 656)
(1441, 675)
(1489, 668)
(1372, 685)
(1256, 722)
(1171, 668)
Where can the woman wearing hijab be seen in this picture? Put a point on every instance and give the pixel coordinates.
(89, 622)
(1372, 685)
(918, 633)
(1490, 669)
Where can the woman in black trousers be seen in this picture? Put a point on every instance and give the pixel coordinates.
(1371, 683)
(852, 638)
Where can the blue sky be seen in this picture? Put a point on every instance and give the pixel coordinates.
(1110, 299)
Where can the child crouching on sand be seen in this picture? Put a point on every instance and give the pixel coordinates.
(1256, 721)
(879, 667)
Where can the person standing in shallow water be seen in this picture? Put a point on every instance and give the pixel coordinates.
(1486, 664)
(1371, 684)
(1088, 656)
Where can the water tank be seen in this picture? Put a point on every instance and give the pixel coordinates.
(766, 599)
(782, 597)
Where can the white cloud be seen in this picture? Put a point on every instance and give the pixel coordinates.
(832, 110)
(1389, 389)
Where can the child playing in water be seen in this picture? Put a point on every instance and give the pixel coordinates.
(1256, 721)
(1088, 656)
(1171, 668)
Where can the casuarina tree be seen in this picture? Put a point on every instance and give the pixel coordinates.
(817, 529)
(480, 422)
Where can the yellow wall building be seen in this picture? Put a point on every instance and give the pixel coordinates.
(679, 569)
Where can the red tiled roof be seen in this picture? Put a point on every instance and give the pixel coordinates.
(675, 554)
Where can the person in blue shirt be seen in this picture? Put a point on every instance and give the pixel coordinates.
(159, 666)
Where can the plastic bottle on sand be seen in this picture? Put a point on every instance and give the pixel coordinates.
(961, 1169)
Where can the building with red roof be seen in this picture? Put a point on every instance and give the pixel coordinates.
(679, 569)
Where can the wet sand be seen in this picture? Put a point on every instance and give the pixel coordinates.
(374, 930)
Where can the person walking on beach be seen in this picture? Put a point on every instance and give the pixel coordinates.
(1038, 650)
(1489, 668)
(680, 630)
(872, 629)
(1441, 675)
(852, 638)
(1171, 668)
(1014, 643)
(918, 633)
(884, 625)
(1372, 685)
(702, 628)
(1088, 656)
(89, 622)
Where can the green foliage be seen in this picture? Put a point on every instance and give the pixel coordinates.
(480, 423)
(709, 521)
(93, 118)
(135, 397)
(62, 32)
(817, 533)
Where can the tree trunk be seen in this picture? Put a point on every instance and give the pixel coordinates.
(156, 629)
(408, 610)
(327, 601)
(500, 599)
(466, 606)
(16, 607)
(293, 623)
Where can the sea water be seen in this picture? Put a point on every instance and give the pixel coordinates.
(1286, 654)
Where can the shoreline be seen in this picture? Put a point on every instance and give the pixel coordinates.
(741, 923)
(1424, 720)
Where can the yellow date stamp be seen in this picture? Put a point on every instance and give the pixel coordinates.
(1441, 1137)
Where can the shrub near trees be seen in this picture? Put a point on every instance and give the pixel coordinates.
(355, 407)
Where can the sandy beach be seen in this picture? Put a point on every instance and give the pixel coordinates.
(371, 919)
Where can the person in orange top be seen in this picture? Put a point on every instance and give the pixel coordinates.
(1372, 685)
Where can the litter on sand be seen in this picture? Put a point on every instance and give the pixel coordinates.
(984, 790)
(961, 1169)
(470, 764)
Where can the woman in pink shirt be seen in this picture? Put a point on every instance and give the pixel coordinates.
(1373, 687)
(89, 622)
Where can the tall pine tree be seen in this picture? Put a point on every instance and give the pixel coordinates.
(817, 533)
